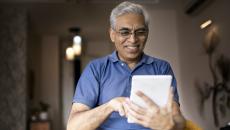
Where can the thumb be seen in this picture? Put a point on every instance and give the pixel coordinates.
(121, 111)
(170, 100)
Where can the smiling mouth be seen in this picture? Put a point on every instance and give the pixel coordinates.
(132, 48)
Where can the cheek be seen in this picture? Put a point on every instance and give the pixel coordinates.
(144, 42)
(119, 41)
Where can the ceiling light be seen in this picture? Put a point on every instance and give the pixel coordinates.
(69, 53)
(206, 24)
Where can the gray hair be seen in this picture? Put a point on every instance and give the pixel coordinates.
(125, 8)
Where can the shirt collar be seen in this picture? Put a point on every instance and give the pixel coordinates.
(113, 57)
(145, 58)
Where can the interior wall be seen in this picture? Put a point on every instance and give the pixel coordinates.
(163, 38)
(194, 62)
(67, 85)
(13, 89)
(34, 69)
(49, 91)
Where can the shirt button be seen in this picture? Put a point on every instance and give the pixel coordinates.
(122, 64)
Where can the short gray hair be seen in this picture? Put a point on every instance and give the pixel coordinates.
(125, 8)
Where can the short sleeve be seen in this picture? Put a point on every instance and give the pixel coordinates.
(168, 70)
(87, 89)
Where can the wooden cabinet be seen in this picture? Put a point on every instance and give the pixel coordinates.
(40, 125)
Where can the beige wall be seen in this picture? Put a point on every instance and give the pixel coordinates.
(163, 38)
(67, 84)
(50, 82)
(193, 61)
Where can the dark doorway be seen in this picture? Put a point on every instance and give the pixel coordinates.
(77, 71)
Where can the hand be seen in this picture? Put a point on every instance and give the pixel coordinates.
(117, 104)
(153, 116)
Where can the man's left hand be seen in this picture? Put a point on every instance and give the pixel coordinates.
(154, 117)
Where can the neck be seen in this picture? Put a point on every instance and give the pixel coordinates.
(132, 65)
(132, 62)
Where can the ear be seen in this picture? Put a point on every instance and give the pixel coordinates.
(112, 34)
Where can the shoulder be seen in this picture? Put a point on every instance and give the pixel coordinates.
(96, 66)
(157, 61)
(99, 62)
(160, 65)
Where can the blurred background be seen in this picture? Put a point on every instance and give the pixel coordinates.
(45, 45)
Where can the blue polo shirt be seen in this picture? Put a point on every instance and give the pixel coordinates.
(106, 78)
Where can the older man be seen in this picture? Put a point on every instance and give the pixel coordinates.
(101, 99)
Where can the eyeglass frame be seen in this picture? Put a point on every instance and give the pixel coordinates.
(143, 32)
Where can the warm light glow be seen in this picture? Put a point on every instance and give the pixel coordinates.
(77, 39)
(205, 24)
(77, 49)
(77, 45)
(70, 53)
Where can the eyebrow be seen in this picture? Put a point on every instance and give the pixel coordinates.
(128, 29)
(124, 28)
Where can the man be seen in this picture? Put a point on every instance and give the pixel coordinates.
(101, 100)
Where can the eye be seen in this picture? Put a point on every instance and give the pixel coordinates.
(141, 32)
(124, 33)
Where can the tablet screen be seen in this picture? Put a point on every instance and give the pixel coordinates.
(156, 87)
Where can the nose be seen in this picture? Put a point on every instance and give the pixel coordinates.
(132, 38)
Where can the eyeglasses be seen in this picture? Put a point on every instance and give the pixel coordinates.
(126, 33)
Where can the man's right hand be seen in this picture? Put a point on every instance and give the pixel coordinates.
(117, 105)
(83, 117)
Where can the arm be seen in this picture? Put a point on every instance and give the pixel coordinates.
(83, 118)
(178, 118)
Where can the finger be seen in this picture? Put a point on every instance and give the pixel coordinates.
(135, 107)
(170, 100)
(134, 114)
(147, 100)
(126, 109)
(121, 109)
(138, 121)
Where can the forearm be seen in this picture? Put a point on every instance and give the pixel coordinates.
(90, 119)
(178, 120)
(178, 117)
(178, 123)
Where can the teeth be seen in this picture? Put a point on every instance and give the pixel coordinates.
(132, 47)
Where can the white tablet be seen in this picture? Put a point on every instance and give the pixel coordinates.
(156, 87)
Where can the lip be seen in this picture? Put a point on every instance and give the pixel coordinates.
(132, 48)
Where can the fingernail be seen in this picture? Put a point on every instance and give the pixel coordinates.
(121, 113)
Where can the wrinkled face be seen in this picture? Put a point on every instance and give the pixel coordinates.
(129, 36)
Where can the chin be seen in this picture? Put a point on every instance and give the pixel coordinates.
(133, 56)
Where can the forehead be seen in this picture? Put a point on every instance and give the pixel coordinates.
(130, 20)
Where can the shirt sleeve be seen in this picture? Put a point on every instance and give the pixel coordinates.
(168, 70)
(87, 90)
